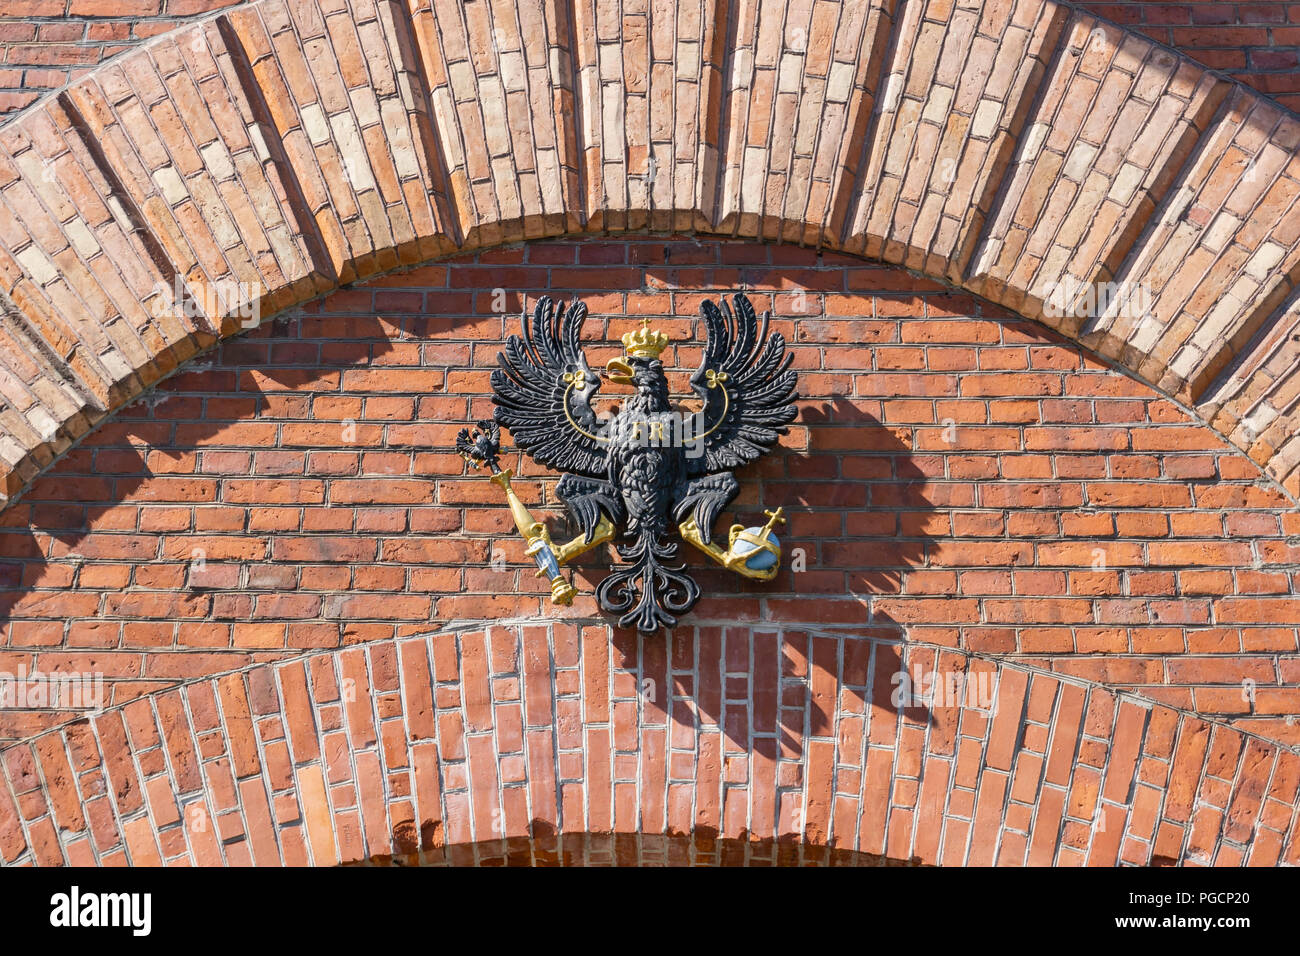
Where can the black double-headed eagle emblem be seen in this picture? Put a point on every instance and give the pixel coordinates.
(635, 472)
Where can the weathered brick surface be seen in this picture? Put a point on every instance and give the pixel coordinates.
(1116, 116)
(181, 134)
(286, 148)
(44, 43)
(946, 131)
(655, 757)
(1221, 256)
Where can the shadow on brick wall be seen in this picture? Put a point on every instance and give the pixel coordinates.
(856, 506)
(153, 443)
(545, 846)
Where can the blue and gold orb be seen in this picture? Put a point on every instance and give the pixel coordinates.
(760, 548)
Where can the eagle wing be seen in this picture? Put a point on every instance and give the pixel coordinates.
(543, 391)
(747, 386)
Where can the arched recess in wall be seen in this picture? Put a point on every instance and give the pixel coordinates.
(280, 150)
(530, 743)
(1089, 774)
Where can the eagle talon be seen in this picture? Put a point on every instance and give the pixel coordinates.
(758, 539)
(566, 552)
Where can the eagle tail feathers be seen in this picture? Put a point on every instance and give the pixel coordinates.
(664, 592)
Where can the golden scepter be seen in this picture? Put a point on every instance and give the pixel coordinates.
(481, 448)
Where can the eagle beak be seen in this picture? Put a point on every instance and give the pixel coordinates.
(616, 370)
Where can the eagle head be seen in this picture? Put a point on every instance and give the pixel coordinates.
(646, 375)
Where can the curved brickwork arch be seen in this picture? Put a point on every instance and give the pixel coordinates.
(539, 741)
(282, 150)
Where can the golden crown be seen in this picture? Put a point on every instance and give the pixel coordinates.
(644, 342)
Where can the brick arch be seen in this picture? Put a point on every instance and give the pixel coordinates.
(299, 147)
(568, 742)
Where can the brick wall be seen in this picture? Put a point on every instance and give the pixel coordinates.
(568, 743)
(967, 492)
(45, 43)
(956, 476)
(1256, 43)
